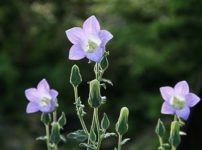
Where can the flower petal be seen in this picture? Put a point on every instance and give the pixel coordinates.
(105, 36)
(53, 94)
(182, 88)
(76, 53)
(96, 56)
(167, 92)
(43, 86)
(167, 109)
(32, 107)
(91, 25)
(76, 35)
(32, 94)
(183, 113)
(192, 99)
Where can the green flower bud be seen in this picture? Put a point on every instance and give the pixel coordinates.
(95, 98)
(55, 133)
(75, 77)
(122, 124)
(174, 138)
(45, 118)
(160, 128)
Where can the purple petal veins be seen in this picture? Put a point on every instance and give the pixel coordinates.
(178, 100)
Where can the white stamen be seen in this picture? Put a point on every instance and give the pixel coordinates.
(177, 102)
(44, 101)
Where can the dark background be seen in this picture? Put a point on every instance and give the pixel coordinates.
(156, 43)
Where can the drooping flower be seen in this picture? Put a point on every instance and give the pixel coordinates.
(178, 100)
(41, 98)
(88, 41)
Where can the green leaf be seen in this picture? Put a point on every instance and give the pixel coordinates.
(46, 118)
(62, 120)
(107, 81)
(105, 122)
(104, 64)
(92, 136)
(55, 133)
(106, 135)
(91, 147)
(160, 128)
(42, 138)
(125, 141)
(78, 135)
(62, 137)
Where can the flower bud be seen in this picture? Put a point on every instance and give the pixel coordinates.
(95, 98)
(122, 124)
(75, 77)
(160, 128)
(55, 133)
(174, 138)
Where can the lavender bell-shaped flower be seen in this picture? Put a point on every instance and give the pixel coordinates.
(178, 100)
(41, 98)
(88, 41)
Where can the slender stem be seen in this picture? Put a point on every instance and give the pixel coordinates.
(55, 116)
(92, 127)
(79, 115)
(173, 148)
(175, 118)
(119, 142)
(98, 128)
(161, 142)
(47, 136)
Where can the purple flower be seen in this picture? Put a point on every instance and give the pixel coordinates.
(88, 41)
(178, 100)
(41, 98)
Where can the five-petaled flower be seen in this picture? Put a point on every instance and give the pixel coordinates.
(88, 41)
(41, 98)
(178, 100)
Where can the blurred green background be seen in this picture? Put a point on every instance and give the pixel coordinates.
(156, 43)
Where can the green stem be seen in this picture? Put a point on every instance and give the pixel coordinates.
(47, 136)
(119, 142)
(92, 127)
(173, 148)
(55, 120)
(79, 115)
(98, 128)
(161, 142)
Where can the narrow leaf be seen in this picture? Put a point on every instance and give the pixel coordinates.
(78, 135)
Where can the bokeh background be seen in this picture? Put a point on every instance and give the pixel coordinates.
(156, 43)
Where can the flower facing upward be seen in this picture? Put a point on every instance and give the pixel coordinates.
(41, 98)
(178, 100)
(88, 41)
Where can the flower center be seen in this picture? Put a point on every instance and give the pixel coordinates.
(44, 101)
(177, 102)
(91, 46)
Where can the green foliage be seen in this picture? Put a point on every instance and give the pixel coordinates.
(78, 135)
